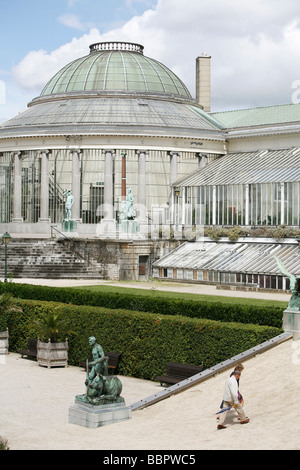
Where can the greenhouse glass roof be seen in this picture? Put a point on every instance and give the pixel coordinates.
(263, 166)
(112, 115)
(255, 258)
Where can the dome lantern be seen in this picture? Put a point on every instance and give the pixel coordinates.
(116, 46)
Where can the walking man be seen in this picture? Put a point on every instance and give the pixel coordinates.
(231, 399)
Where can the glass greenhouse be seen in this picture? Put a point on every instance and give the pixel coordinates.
(253, 188)
(249, 263)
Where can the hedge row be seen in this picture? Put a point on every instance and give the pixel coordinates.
(259, 315)
(146, 341)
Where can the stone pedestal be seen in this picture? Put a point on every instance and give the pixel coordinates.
(106, 228)
(95, 416)
(69, 226)
(291, 322)
(130, 228)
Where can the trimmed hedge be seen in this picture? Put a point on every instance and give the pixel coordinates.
(147, 341)
(225, 312)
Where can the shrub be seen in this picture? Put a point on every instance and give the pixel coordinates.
(214, 310)
(146, 341)
(4, 444)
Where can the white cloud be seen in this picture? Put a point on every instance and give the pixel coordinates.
(72, 21)
(37, 67)
(15, 101)
(254, 47)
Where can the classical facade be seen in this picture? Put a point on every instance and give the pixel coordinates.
(116, 124)
(109, 122)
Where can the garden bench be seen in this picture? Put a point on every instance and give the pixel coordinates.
(31, 350)
(176, 372)
(113, 361)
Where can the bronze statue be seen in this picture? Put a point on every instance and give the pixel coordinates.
(130, 212)
(294, 303)
(101, 389)
(69, 204)
(100, 361)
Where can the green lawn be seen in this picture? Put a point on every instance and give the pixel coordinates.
(178, 295)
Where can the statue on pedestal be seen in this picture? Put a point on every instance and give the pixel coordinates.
(129, 226)
(294, 303)
(130, 212)
(101, 389)
(127, 211)
(69, 204)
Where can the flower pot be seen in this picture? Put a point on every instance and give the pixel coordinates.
(4, 341)
(52, 354)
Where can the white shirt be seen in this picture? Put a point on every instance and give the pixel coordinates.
(231, 391)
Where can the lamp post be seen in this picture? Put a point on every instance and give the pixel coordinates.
(5, 240)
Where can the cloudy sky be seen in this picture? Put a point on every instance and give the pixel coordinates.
(254, 44)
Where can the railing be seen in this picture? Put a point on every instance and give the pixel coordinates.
(54, 228)
(85, 255)
(195, 379)
(116, 46)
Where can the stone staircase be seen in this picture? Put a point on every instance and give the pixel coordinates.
(44, 258)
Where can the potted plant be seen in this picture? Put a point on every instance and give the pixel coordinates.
(52, 350)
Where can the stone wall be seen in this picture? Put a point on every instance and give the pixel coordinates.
(83, 258)
(125, 260)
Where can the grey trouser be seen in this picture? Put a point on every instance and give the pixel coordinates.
(239, 409)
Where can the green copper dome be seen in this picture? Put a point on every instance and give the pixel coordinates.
(115, 90)
(113, 67)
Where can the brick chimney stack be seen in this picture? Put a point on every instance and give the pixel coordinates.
(203, 81)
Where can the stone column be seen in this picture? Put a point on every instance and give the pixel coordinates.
(173, 177)
(107, 226)
(282, 204)
(17, 214)
(183, 206)
(247, 199)
(123, 182)
(214, 206)
(44, 193)
(142, 198)
(173, 167)
(75, 154)
(109, 185)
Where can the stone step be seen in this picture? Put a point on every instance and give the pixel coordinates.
(47, 258)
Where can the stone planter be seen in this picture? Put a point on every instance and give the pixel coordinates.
(4, 341)
(52, 354)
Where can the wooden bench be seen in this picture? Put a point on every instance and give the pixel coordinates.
(177, 372)
(31, 350)
(113, 361)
